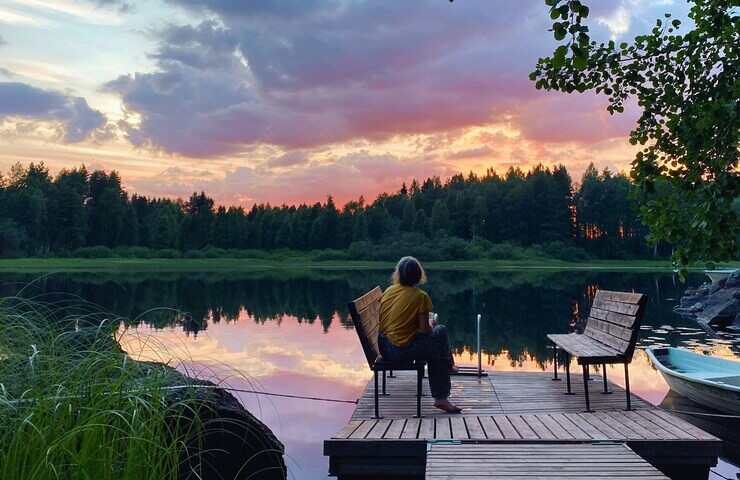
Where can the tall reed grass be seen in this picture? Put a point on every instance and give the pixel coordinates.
(74, 406)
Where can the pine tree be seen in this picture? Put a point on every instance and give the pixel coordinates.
(440, 218)
(409, 217)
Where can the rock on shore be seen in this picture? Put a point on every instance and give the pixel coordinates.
(713, 304)
(233, 444)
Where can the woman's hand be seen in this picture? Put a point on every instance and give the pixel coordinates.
(425, 323)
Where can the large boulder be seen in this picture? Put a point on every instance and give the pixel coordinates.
(733, 280)
(233, 444)
(228, 442)
(713, 304)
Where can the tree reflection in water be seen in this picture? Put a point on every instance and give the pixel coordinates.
(519, 307)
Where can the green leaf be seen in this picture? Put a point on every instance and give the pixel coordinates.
(558, 59)
(559, 32)
(686, 166)
(580, 62)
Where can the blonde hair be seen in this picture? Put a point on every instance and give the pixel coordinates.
(409, 273)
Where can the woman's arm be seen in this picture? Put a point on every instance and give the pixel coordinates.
(424, 325)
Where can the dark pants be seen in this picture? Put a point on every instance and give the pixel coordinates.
(434, 348)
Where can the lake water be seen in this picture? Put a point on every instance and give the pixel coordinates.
(289, 332)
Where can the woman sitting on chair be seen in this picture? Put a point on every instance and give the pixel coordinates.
(407, 333)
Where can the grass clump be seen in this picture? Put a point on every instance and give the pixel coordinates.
(73, 405)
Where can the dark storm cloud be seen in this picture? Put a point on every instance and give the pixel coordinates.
(260, 8)
(74, 116)
(305, 73)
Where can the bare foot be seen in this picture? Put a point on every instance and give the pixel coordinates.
(446, 406)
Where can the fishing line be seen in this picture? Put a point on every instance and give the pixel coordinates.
(720, 415)
(209, 387)
(260, 392)
(300, 397)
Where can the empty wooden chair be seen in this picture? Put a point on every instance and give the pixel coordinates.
(365, 313)
(609, 337)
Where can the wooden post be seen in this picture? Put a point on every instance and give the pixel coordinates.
(627, 385)
(480, 368)
(419, 376)
(585, 387)
(377, 405)
(606, 385)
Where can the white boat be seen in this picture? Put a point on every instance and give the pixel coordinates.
(710, 381)
(716, 275)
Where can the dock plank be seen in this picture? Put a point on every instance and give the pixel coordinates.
(442, 429)
(538, 427)
(411, 428)
(475, 430)
(490, 428)
(426, 428)
(553, 462)
(395, 429)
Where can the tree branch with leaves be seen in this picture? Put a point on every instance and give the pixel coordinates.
(688, 89)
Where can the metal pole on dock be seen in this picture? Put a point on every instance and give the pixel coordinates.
(480, 369)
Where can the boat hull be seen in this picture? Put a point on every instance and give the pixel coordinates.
(718, 399)
(710, 381)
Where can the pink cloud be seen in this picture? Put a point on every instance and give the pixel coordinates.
(573, 118)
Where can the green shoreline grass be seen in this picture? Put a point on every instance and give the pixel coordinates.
(35, 265)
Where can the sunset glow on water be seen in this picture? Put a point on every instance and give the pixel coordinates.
(322, 357)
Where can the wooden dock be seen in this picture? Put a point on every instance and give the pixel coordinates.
(527, 410)
(503, 461)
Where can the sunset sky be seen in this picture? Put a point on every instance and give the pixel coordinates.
(286, 101)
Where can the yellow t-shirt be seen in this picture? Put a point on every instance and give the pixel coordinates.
(399, 313)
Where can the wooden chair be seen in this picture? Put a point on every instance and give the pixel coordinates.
(609, 337)
(365, 312)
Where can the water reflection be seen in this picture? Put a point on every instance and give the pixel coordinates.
(290, 333)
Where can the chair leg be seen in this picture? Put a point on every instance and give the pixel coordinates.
(606, 384)
(390, 374)
(627, 385)
(384, 392)
(555, 362)
(585, 387)
(377, 400)
(568, 390)
(419, 376)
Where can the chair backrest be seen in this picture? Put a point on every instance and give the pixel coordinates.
(615, 320)
(365, 313)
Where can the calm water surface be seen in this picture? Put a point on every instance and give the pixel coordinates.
(289, 332)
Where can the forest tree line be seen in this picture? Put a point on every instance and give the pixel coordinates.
(540, 211)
